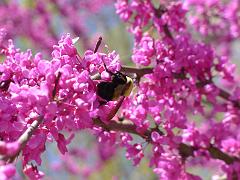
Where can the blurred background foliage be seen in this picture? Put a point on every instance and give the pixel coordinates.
(104, 22)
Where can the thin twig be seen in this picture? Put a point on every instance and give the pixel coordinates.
(54, 92)
(23, 139)
(122, 127)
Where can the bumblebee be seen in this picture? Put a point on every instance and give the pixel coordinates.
(120, 84)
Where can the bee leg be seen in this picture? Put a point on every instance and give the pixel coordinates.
(102, 102)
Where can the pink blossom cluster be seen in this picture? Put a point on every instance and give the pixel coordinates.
(180, 107)
(60, 92)
(173, 96)
(140, 14)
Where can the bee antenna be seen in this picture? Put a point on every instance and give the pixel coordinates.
(98, 44)
(106, 67)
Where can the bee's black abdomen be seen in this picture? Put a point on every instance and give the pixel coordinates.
(105, 90)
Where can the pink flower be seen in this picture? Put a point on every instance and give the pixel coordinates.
(10, 148)
(7, 171)
(135, 153)
(32, 172)
(123, 10)
(144, 51)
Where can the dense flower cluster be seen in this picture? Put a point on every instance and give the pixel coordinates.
(179, 106)
(60, 91)
(183, 78)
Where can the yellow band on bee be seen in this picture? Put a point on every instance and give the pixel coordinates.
(123, 89)
(128, 89)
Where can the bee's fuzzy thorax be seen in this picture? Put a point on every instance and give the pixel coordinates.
(121, 85)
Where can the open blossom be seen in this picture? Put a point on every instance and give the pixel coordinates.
(166, 169)
(144, 54)
(32, 172)
(231, 146)
(9, 149)
(7, 171)
(135, 153)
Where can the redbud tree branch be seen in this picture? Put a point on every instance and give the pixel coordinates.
(138, 71)
(184, 149)
(148, 70)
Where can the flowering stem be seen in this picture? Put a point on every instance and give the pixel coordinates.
(218, 154)
(184, 149)
(188, 150)
(225, 95)
(159, 12)
(148, 70)
(167, 31)
(24, 138)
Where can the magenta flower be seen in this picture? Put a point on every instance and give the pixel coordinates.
(7, 171)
